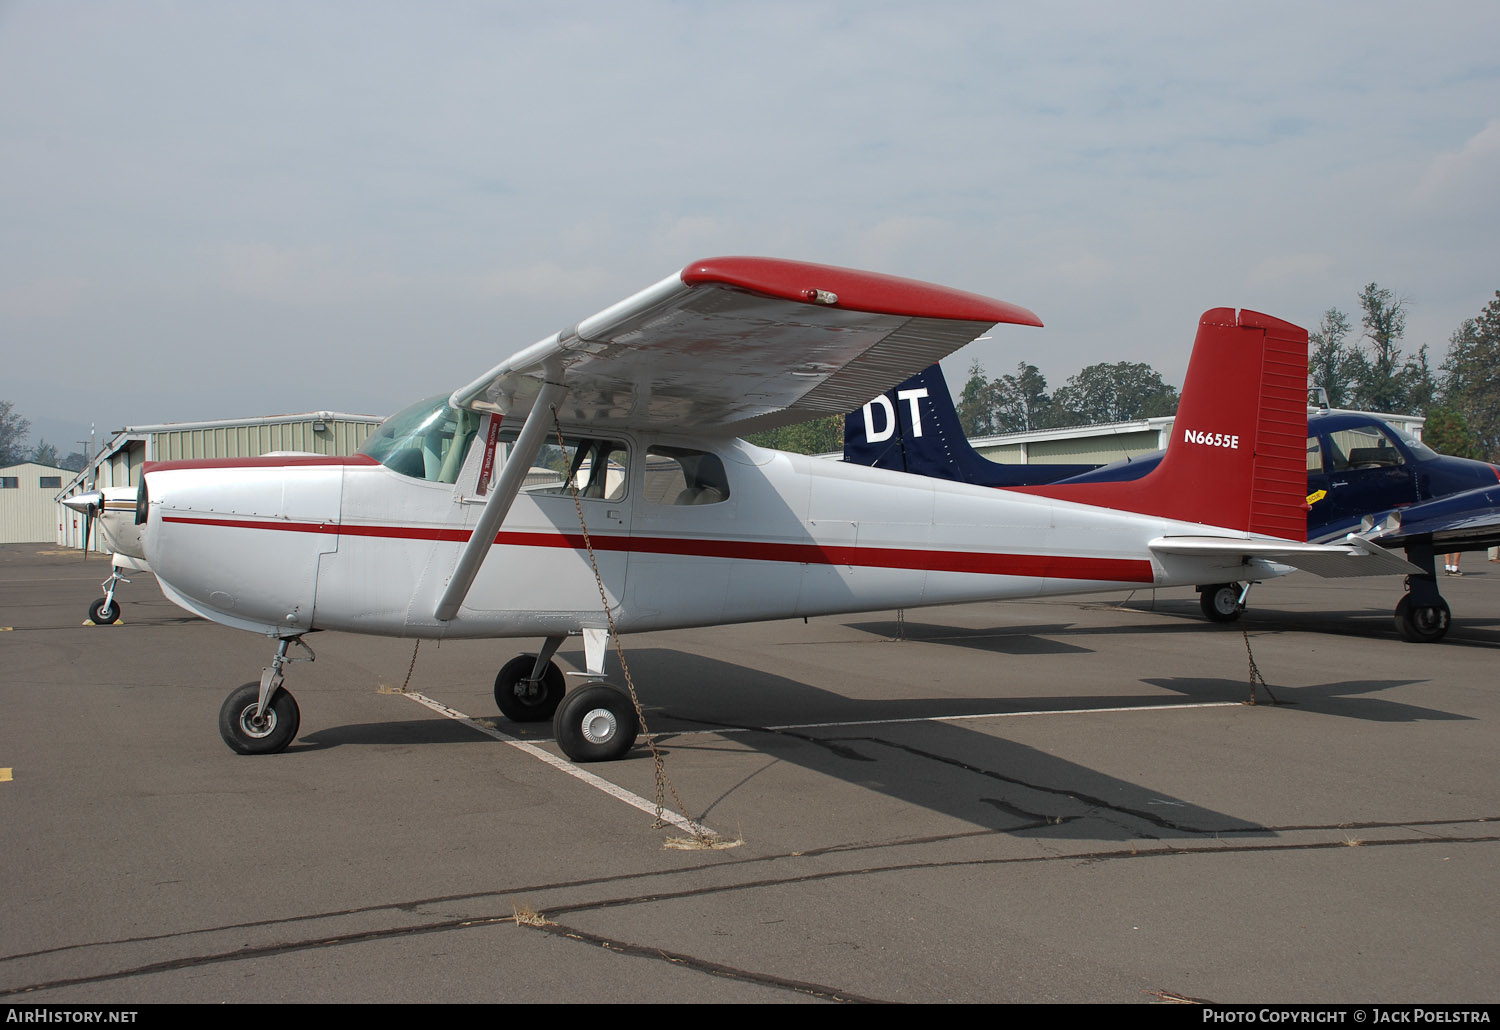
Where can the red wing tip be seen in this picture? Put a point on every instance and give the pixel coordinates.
(853, 289)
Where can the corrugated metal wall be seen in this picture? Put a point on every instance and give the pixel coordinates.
(27, 511)
(338, 437)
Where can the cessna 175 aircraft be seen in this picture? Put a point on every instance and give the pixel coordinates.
(1364, 476)
(112, 509)
(614, 441)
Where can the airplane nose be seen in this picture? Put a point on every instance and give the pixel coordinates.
(85, 503)
(239, 542)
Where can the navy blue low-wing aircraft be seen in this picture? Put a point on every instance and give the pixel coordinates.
(1364, 477)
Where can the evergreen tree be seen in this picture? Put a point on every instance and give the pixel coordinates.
(13, 433)
(1331, 362)
(1471, 377)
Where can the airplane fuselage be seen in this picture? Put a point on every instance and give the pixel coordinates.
(685, 533)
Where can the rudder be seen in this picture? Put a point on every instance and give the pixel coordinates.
(1237, 457)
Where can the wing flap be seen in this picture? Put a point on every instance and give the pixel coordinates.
(737, 345)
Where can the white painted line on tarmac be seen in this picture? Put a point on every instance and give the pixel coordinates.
(950, 718)
(614, 790)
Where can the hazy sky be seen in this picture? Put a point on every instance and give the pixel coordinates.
(213, 209)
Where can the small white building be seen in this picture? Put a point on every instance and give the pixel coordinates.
(28, 508)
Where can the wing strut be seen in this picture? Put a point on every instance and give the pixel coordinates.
(517, 463)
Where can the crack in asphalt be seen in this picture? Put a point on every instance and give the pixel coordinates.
(323, 941)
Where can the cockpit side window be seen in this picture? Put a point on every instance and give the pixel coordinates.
(596, 466)
(428, 440)
(682, 476)
(1363, 447)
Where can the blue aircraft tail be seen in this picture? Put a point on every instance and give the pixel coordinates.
(914, 428)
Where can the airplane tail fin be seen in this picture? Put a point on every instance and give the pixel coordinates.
(915, 428)
(1237, 458)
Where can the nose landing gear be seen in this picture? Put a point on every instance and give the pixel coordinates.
(262, 718)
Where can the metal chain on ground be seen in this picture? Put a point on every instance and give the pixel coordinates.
(663, 781)
(1255, 676)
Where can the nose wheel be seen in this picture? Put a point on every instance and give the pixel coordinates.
(249, 731)
(262, 718)
(104, 612)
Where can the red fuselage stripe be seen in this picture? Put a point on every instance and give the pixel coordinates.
(1112, 570)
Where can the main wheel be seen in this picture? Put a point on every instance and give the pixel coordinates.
(1422, 624)
(272, 732)
(1220, 602)
(596, 723)
(528, 700)
(104, 612)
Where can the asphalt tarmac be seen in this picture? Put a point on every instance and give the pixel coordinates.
(1022, 802)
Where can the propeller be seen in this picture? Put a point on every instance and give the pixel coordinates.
(90, 505)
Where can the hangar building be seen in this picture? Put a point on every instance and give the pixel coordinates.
(120, 461)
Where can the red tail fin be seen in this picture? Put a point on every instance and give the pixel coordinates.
(1237, 457)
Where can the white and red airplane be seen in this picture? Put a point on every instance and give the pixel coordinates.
(112, 509)
(461, 515)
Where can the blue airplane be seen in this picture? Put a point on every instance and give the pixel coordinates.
(1364, 477)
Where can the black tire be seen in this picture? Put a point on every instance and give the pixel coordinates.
(1220, 602)
(1422, 624)
(523, 700)
(104, 612)
(277, 729)
(596, 723)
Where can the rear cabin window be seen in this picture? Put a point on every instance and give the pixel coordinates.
(681, 476)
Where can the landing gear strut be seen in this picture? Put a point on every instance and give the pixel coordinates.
(1422, 616)
(262, 718)
(105, 612)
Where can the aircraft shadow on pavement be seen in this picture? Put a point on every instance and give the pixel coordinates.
(949, 768)
(1348, 699)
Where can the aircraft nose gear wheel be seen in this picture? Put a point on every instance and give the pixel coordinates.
(523, 699)
(1220, 602)
(596, 723)
(103, 612)
(272, 732)
(1422, 623)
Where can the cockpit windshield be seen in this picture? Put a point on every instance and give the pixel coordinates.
(428, 440)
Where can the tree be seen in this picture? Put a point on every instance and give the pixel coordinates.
(819, 436)
(1384, 380)
(13, 433)
(45, 454)
(1020, 401)
(1115, 392)
(1471, 377)
(976, 404)
(74, 462)
(1332, 362)
(1446, 432)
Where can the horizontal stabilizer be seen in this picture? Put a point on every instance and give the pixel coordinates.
(1355, 557)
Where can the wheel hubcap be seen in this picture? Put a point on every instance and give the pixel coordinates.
(599, 726)
(253, 727)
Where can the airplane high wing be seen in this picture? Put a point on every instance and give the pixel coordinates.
(593, 484)
(733, 346)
